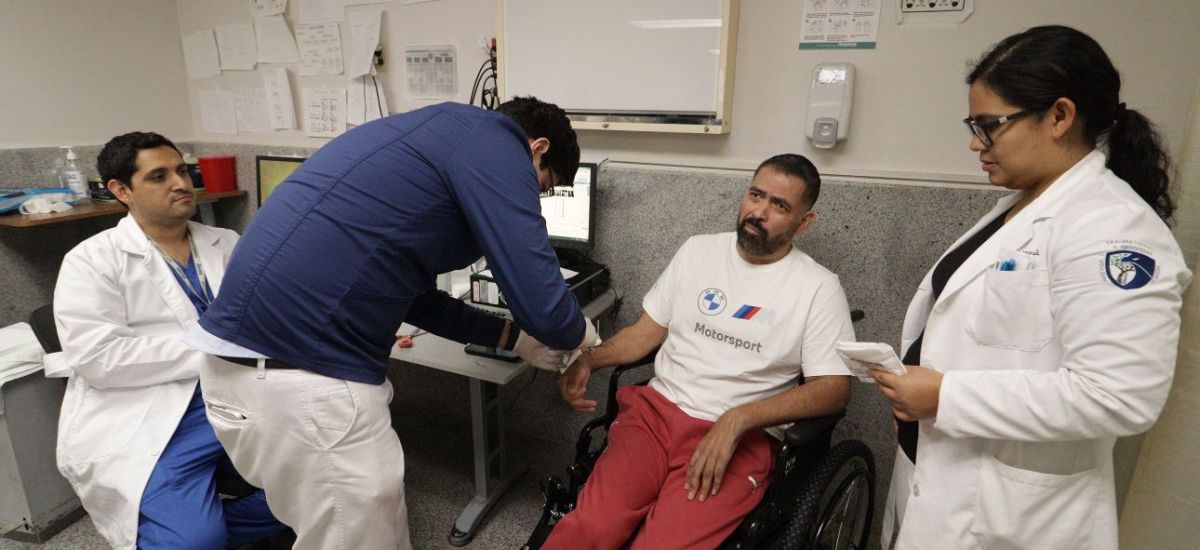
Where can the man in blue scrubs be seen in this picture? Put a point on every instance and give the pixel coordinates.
(347, 249)
(134, 440)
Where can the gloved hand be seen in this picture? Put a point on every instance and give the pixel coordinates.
(537, 354)
(591, 338)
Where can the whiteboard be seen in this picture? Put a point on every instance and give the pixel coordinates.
(614, 56)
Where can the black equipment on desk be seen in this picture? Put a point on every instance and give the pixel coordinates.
(591, 280)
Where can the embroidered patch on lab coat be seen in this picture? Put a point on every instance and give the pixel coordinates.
(1129, 269)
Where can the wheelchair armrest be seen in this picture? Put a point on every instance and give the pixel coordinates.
(621, 369)
(583, 451)
(583, 446)
(614, 381)
(806, 430)
(803, 446)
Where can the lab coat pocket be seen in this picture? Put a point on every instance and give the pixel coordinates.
(107, 420)
(1018, 509)
(1013, 311)
(332, 410)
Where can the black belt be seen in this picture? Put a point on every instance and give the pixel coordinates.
(246, 361)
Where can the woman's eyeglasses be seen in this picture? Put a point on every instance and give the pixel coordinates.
(983, 129)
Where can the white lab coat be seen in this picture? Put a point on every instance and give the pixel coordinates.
(120, 314)
(1044, 368)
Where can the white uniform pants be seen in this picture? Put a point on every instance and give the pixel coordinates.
(322, 448)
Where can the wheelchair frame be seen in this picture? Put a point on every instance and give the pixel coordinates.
(820, 497)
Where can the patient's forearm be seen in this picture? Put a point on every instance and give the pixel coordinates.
(628, 345)
(818, 396)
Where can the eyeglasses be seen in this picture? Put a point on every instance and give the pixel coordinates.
(983, 130)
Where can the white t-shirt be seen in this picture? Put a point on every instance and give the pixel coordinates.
(740, 332)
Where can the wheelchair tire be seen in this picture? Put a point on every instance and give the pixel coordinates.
(835, 507)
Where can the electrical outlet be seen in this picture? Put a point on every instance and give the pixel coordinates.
(918, 6)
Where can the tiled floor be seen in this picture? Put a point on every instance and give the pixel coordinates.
(439, 483)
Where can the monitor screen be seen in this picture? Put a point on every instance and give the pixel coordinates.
(568, 210)
(272, 171)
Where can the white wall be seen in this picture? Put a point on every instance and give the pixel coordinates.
(1164, 495)
(82, 71)
(910, 96)
(909, 99)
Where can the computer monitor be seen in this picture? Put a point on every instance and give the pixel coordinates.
(570, 218)
(271, 171)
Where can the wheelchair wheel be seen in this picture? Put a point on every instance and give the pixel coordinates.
(834, 512)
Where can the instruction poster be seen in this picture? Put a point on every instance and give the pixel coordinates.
(840, 24)
(430, 71)
(324, 112)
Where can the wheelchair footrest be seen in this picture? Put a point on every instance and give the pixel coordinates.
(559, 501)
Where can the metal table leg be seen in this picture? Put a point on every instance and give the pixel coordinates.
(493, 473)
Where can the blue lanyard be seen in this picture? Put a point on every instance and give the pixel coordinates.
(204, 294)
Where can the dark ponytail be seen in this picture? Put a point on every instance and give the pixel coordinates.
(1032, 69)
(1136, 155)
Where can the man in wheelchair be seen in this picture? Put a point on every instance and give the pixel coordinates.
(740, 318)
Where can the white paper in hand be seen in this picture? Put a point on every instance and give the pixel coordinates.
(571, 356)
(861, 357)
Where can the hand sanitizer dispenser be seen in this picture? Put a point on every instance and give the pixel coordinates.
(829, 102)
(74, 176)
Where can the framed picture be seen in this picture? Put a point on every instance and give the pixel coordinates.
(272, 171)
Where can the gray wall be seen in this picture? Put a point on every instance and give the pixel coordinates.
(29, 257)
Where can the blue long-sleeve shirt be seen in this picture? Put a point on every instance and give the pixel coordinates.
(349, 246)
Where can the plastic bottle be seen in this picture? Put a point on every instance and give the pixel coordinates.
(193, 167)
(75, 178)
(54, 176)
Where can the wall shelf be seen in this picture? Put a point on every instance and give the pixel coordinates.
(95, 209)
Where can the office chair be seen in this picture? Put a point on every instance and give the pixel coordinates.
(822, 496)
(42, 323)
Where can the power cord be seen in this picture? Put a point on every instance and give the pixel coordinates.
(485, 82)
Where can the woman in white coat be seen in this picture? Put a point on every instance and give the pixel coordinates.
(1050, 328)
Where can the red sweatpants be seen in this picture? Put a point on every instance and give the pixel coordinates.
(638, 482)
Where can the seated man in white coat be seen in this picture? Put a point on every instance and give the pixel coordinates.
(741, 317)
(133, 439)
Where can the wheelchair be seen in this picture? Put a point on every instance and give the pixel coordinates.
(822, 495)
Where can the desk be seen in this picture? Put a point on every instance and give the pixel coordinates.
(493, 473)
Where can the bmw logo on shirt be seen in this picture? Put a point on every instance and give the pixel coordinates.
(712, 301)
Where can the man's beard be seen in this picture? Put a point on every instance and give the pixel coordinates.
(758, 243)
